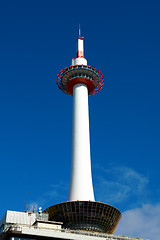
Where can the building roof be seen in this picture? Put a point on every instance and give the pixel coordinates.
(16, 224)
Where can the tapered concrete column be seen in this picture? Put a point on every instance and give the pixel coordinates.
(81, 187)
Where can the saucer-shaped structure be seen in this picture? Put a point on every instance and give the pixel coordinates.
(85, 215)
(70, 76)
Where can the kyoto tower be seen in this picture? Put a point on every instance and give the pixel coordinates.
(81, 211)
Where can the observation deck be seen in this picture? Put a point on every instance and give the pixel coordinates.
(85, 215)
(85, 74)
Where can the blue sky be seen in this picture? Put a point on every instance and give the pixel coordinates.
(122, 40)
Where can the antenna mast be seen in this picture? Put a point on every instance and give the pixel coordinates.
(27, 201)
(79, 31)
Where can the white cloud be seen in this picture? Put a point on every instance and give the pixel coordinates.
(58, 191)
(141, 222)
(118, 184)
(110, 191)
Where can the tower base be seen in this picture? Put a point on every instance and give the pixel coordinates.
(85, 215)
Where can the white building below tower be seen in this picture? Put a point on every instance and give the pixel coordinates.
(35, 226)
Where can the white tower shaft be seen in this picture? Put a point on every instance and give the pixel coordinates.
(81, 187)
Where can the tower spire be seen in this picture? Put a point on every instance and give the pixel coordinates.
(79, 31)
(80, 59)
